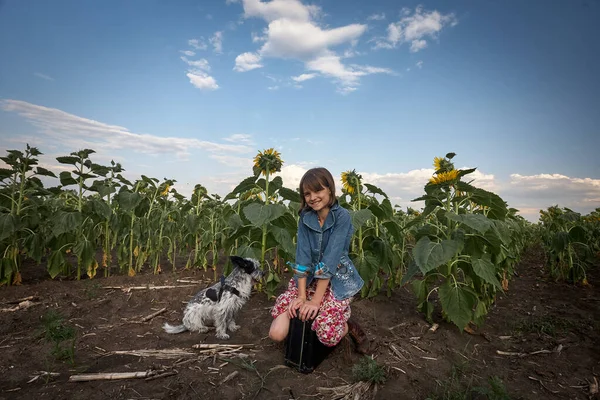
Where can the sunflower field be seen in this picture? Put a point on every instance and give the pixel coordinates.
(460, 251)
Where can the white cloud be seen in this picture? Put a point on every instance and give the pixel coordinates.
(304, 40)
(376, 17)
(198, 44)
(43, 76)
(293, 33)
(239, 138)
(419, 64)
(256, 38)
(202, 80)
(347, 76)
(188, 53)
(273, 10)
(415, 28)
(247, 61)
(417, 45)
(217, 42)
(72, 131)
(303, 77)
(201, 64)
(541, 191)
(198, 74)
(273, 87)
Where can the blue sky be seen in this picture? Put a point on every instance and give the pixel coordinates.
(192, 90)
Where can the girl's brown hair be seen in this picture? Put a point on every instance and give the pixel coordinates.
(316, 179)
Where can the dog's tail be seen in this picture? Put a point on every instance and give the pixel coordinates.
(174, 329)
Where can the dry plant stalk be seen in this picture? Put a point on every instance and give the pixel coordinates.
(359, 390)
(108, 376)
(164, 354)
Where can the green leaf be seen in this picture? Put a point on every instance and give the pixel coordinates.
(478, 222)
(457, 303)
(44, 172)
(375, 190)
(360, 217)
(429, 255)
(560, 241)
(283, 238)
(419, 286)
(84, 250)
(394, 229)
(289, 194)
(5, 173)
(63, 222)
(465, 187)
(245, 185)
(8, 225)
(68, 160)
(56, 264)
(66, 179)
(388, 209)
(463, 172)
(101, 208)
(261, 214)
(484, 269)
(498, 209)
(411, 271)
(577, 234)
(128, 200)
(377, 211)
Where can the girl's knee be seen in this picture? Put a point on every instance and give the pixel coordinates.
(277, 335)
(279, 328)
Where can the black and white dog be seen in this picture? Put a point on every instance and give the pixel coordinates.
(218, 304)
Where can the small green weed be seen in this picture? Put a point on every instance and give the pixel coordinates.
(91, 291)
(544, 325)
(368, 370)
(495, 391)
(459, 386)
(61, 335)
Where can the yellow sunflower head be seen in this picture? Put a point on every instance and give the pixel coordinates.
(268, 161)
(442, 164)
(351, 181)
(444, 177)
(166, 190)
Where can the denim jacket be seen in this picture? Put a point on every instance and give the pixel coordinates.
(323, 251)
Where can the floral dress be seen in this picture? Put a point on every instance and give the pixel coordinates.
(330, 323)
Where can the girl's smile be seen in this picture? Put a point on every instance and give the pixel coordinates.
(317, 200)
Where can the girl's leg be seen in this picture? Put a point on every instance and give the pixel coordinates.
(280, 328)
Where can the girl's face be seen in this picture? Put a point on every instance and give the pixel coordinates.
(317, 200)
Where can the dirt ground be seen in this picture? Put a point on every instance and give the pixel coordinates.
(549, 333)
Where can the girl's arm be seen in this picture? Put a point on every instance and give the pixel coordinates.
(319, 292)
(310, 309)
(302, 288)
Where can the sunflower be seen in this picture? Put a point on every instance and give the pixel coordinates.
(444, 177)
(166, 190)
(268, 161)
(351, 181)
(442, 164)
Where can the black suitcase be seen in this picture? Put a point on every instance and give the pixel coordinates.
(303, 350)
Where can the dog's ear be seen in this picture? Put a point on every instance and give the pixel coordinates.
(237, 261)
(244, 264)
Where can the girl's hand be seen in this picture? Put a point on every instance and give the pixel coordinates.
(295, 305)
(309, 310)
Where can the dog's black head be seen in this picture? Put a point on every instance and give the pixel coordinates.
(249, 266)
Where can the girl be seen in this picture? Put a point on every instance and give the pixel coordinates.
(325, 278)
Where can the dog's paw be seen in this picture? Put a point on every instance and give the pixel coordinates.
(233, 327)
(222, 336)
(203, 330)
